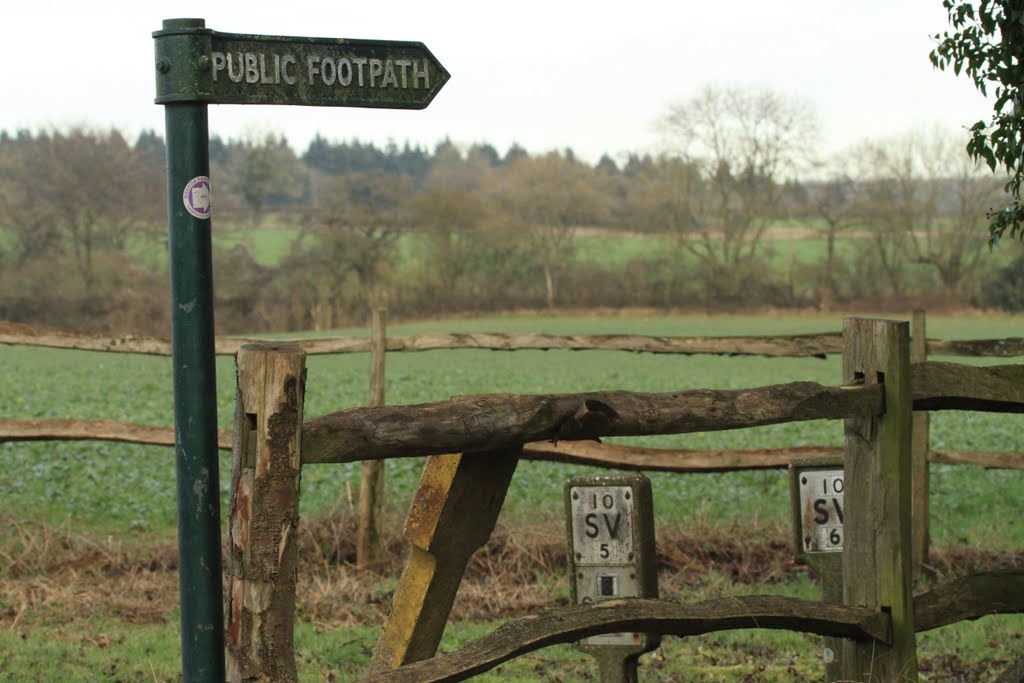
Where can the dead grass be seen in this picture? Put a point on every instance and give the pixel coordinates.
(54, 572)
(49, 572)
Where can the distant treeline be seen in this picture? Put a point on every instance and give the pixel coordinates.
(738, 214)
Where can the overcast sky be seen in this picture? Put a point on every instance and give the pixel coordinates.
(549, 74)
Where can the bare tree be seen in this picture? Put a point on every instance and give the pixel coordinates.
(745, 142)
(341, 258)
(30, 224)
(548, 198)
(262, 169)
(663, 197)
(926, 202)
(829, 205)
(666, 196)
(452, 212)
(81, 192)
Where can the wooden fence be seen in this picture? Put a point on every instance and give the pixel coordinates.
(602, 455)
(459, 497)
(272, 441)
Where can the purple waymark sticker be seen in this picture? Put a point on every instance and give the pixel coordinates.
(197, 196)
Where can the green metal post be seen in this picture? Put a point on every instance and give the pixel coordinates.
(195, 389)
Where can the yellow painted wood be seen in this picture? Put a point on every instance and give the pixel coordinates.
(453, 514)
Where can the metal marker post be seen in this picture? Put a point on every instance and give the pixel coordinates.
(195, 389)
(611, 554)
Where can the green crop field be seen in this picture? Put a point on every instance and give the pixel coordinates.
(46, 383)
(126, 493)
(271, 240)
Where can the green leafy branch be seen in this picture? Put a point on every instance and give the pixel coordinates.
(987, 43)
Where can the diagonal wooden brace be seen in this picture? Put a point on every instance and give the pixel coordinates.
(453, 514)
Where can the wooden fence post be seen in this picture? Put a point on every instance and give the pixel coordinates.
(370, 540)
(919, 452)
(262, 550)
(877, 554)
(453, 514)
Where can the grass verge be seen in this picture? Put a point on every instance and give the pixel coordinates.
(79, 607)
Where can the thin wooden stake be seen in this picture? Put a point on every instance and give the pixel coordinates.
(370, 541)
(262, 550)
(877, 567)
(919, 453)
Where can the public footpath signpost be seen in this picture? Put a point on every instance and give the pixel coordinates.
(196, 66)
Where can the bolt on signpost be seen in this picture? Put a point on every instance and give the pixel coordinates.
(196, 66)
(816, 493)
(610, 529)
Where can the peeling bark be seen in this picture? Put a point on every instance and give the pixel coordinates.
(262, 549)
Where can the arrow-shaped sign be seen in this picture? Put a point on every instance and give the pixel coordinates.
(229, 68)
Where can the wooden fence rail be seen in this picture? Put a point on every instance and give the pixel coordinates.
(489, 421)
(493, 421)
(668, 618)
(817, 345)
(969, 597)
(593, 453)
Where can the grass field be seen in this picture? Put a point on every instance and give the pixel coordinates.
(272, 239)
(119, 500)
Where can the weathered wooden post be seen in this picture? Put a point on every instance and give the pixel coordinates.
(370, 540)
(453, 514)
(919, 452)
(262, 551)
(877, 550)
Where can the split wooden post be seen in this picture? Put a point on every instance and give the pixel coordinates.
(919, 452)
(370, 540)
(262, 551)
(453, 514)
(877, 566)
